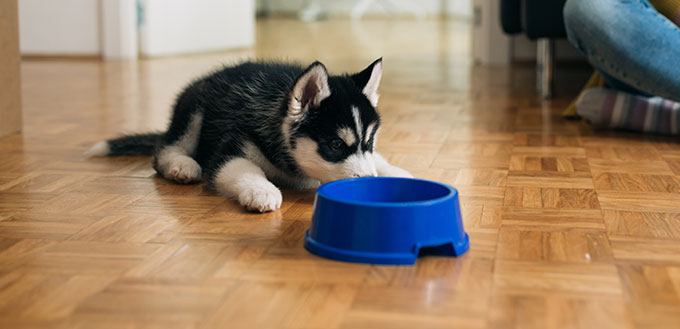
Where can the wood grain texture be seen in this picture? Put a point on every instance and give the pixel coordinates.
(569, 227)
(10, 81)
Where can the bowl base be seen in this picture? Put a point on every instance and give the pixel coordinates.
(450, 248)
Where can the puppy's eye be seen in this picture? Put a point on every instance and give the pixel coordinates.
(336, 144)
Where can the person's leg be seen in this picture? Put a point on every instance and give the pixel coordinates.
(621, 110)
(616, 84)
(628, 41)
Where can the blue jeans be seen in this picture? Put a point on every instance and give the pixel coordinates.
(634, 47)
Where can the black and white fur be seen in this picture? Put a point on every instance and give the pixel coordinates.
(253, 125)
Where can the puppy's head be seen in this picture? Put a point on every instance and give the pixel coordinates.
(332, 122)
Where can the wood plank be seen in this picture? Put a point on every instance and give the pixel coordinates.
(10, 75)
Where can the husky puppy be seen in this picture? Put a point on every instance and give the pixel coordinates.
(256, 124)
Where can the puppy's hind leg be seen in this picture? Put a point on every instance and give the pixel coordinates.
(241, 179)
(173, 157)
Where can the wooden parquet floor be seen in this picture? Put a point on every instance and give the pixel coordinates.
(570, 227)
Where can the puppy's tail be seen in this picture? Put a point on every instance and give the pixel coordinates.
(137, 144)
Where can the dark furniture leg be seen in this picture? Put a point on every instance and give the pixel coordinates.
(544, 67)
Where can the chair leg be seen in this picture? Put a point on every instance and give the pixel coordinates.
(544, 67)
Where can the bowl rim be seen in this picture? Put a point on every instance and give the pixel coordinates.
(321, 192)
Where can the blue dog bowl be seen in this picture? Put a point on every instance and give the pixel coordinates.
(386, 220)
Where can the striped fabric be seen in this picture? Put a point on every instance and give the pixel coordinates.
(615, 109)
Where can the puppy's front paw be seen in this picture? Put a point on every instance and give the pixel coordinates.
(393, 171)
(261, 198)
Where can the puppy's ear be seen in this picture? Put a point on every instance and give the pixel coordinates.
(309, 90)
(368, 81)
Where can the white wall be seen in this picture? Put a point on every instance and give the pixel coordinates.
(458, 8)
(490, 46)
(185, 26)
(109, 27)
(64, 27)
(119, 29)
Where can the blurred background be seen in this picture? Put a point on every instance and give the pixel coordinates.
(129, 29)
(433, 43)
